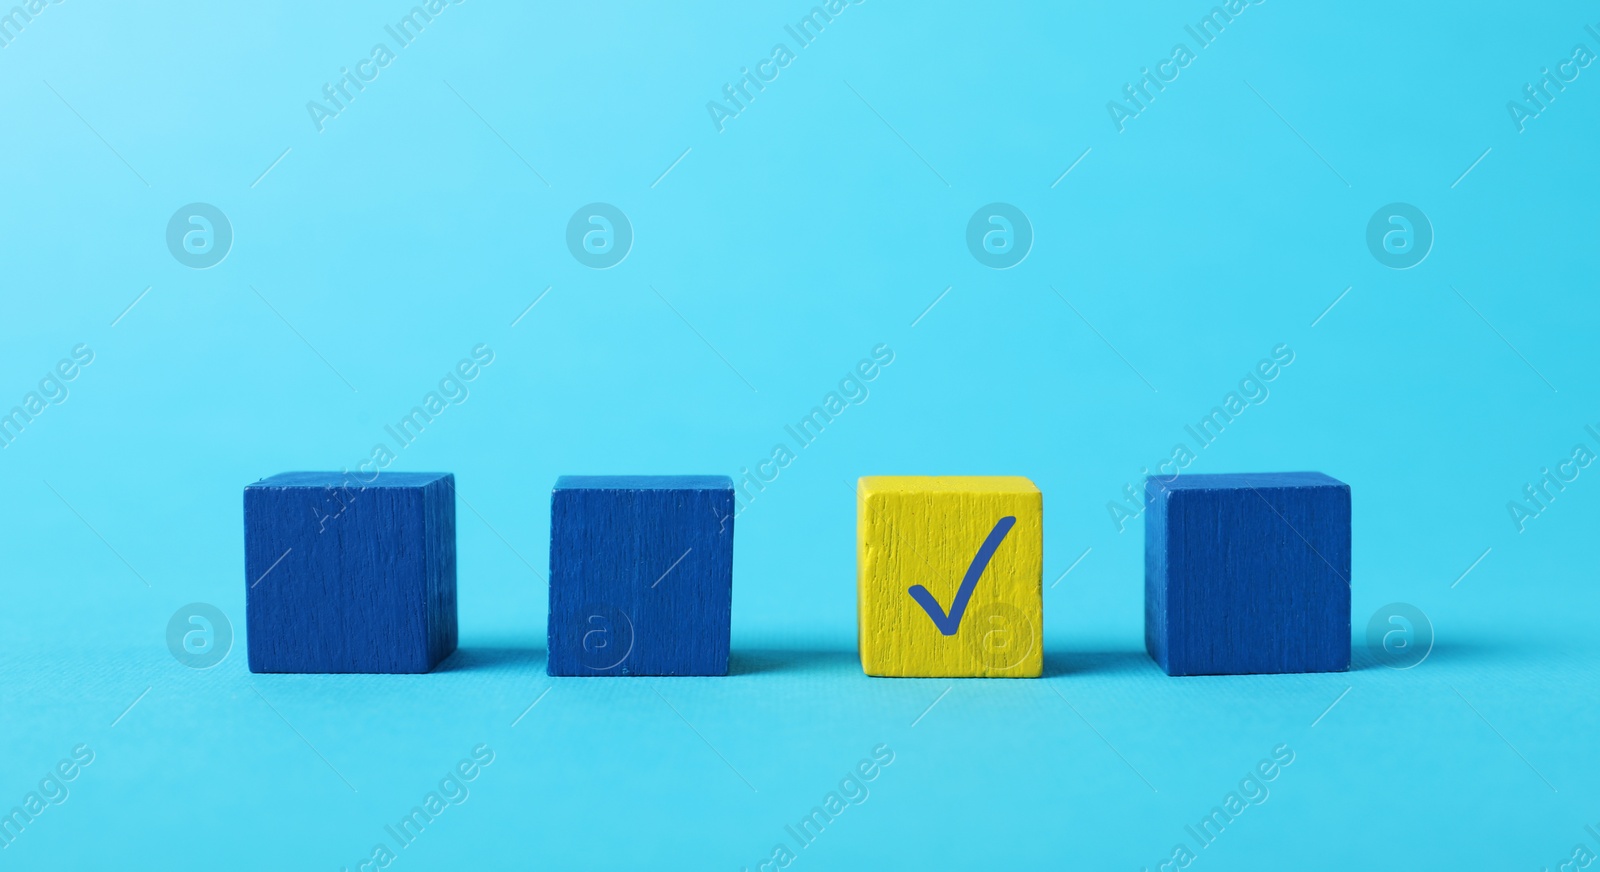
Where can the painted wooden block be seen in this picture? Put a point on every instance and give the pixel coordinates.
(349, 577)
(949, 573)
(1247, 573)
(641, 574)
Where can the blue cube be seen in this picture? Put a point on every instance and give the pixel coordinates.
(345, 576)
(1247, 573)
(641, 575)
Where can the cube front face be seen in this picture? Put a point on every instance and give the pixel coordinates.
(1248, 574)
(641, 575)
(949, 576)
(346, 577)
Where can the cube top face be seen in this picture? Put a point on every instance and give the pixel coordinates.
(949, 576)
(641, 575)
(339, 480)
(946, 484)
(1248, 574)
(1243, 481)
(346, 577)
(644, 482)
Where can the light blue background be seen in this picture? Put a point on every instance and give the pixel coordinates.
(819, 223)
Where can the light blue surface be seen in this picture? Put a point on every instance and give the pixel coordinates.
(374, 262)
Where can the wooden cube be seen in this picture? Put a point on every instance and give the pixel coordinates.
(349, 577)
(949, 573)
(641, 575)
(1247, 573)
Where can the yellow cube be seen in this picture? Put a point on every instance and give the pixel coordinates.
(949, 576)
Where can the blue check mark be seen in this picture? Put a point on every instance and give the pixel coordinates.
(949, 624)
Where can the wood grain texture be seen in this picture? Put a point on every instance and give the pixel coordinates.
(926, 531)
(641, 575)
(344, 577)
(1248, 573)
